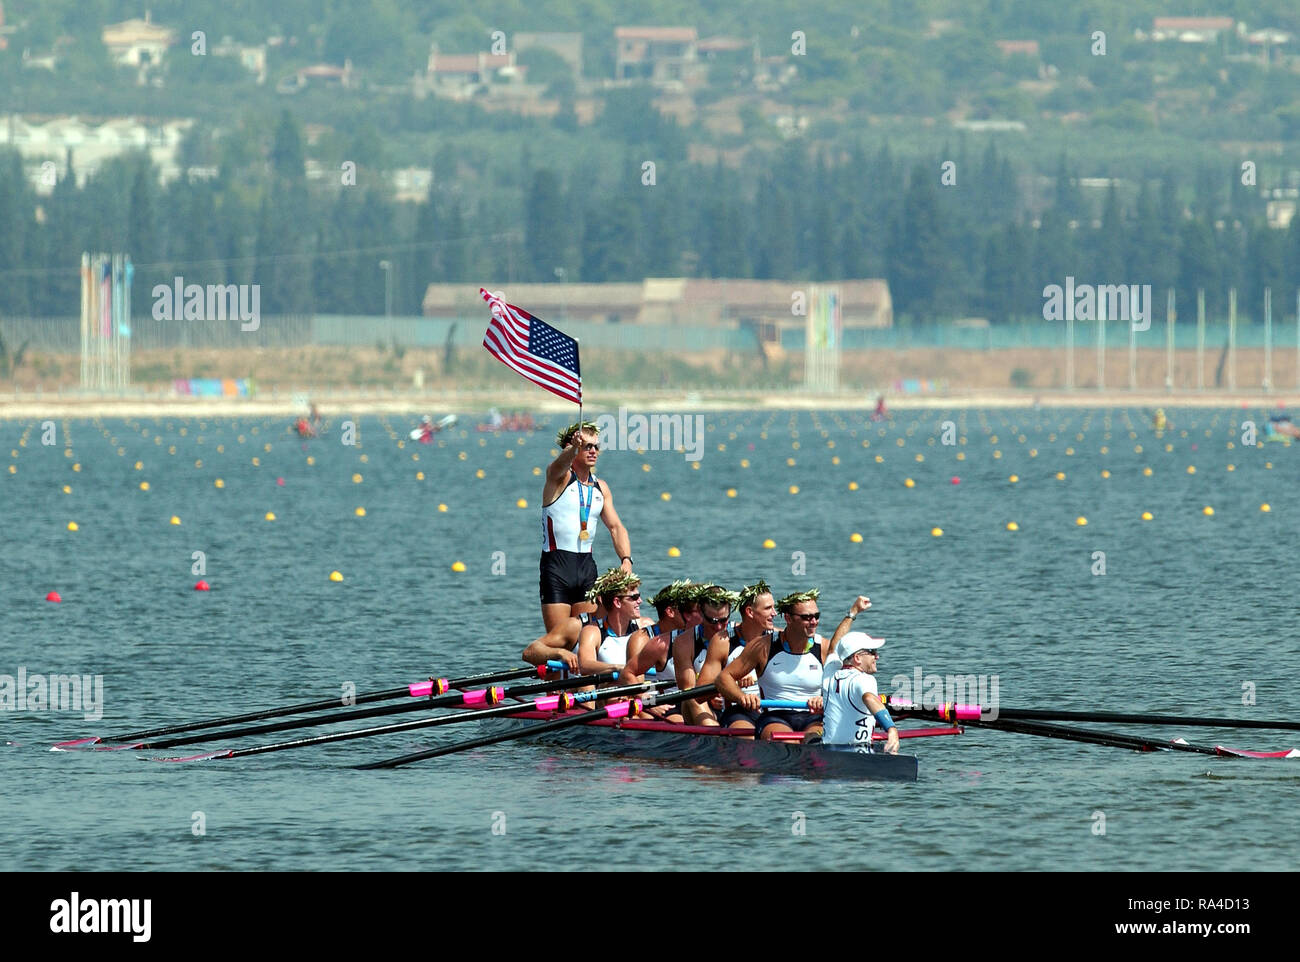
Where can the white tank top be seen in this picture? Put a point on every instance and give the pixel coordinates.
(561, 519)
(846, 719)
(790, 677)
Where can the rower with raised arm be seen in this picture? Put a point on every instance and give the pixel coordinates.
(852, 703)
(757, 614)
(789, 668)
(573, 498)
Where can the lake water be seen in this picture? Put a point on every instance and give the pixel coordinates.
(1194, 615)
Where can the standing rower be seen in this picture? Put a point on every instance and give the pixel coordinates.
(572, 499)
(853, 706)
(789, 668)
(757, 613)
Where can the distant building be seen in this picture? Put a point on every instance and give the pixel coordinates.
(251, 57)
(411, 184)
(67, 139)
(665, 56)
(318, 75)
(566, 45)
(1023, 48)
(1190, 29)
(459, 76)
(141, 44)
(675, 301)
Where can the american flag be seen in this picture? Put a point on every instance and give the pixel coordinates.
(532, 348)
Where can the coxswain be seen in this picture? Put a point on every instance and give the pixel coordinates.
(573, 498)
(757, 614)
(853, 707)
(789, 668)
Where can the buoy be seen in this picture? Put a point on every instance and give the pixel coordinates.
(665, 496)
(521, 503)
(731, 492)
(442, 508)
(458, 566)
(1060, 475)
(909, 483)
(769, 544)
(1146, 472)
(1105, 473)
(202, 586)
(54, 597)
(744, 462)
(936, 532)
(72, 526)
(175, 520)
(219, 483)
(1147, 516)
(360, 512)
(674, 552)
(1014, 478)
(67, 489)
(144, 485)
(954, 480)
(1207, 511)
(280, 482)
(794, 489)
(356, 479)
(1191, 469)
(853, 485)
(855, 538)
(270, 516)
(335, 576)
(1265, 508)
(1012, 526)
(419, 475)
(1081, 521)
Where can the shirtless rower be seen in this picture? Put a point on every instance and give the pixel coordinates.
(853, 706)
(757, 613)
(572, 499)
(789, 668)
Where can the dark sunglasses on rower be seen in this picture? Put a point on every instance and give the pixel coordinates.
(814, 616)
(591, 447)
(635, 597)
(715, 621)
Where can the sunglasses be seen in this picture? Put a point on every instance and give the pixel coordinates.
(715, 621)
(591, 447)
(814, 616)
(635, 597)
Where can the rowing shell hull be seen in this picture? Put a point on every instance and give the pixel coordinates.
(650, 741)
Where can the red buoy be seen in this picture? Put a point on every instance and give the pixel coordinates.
(280, 482)
(54, 597)
(956, 480)
(202, 586)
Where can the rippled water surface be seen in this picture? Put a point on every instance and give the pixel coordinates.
(1193, 614)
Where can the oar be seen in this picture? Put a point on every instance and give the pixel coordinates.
(779, 703)
(470, 699)
(560, 702)
(416, 690)
(1140, 719)
(1092, 736)
(620, 709)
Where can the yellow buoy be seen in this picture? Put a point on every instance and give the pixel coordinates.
(936, 532)
(1012, 526)
(419, 475)
(1207, 511)
(909, 483)
(794, 489)
(1147, 516)
(961, 455)
(769, 544)
(789, 462)
(665, 496)
(219, 483)
(1014, 478)
(835, 460)
(335, 576)
(270, 516)
(645, 467)
(77, 466)
(855, 538)
(674, 552)
(1081, 521)
(1105, 473)
(442, 507)
(920, 458)
(853, 485)
(880, 459)
(360, 512)
(744, 462)
(1191, 469)
(139, 465)
(1146, 472)
(356, 479)
(731, 492)
(67, 489)
(1232, 467)
(458, 566)
(480, 474)
(256, 462)
(1265, 508)
(311, 459)
(521, 503)
(72, 526)
(1060, 475)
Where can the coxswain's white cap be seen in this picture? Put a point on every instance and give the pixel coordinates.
(856, 641)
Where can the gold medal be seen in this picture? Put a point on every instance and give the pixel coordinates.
(582, 535)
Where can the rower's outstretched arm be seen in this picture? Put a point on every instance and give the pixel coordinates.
(588, 663)
(557, 473)
(860, 604)
(753, 659)
(617, 533)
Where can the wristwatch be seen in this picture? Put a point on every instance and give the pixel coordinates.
(628, 559)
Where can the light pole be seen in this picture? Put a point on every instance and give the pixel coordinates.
(387, 268)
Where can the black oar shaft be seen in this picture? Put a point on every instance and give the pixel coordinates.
(538, 729)
(1033, 714)
(324, 704)
(1092, 736)
(441, 701)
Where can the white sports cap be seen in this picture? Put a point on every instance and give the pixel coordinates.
(856, 641)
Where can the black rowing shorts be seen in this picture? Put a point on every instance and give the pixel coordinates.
(566, 576)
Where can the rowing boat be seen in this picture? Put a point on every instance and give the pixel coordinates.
(722, 748)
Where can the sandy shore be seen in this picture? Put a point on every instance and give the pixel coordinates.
(472, 404)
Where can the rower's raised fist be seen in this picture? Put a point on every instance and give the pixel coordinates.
(861, 604)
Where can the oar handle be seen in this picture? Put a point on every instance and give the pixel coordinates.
(948, 711)
(783, 703)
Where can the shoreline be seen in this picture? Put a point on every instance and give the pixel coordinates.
(26, 406)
